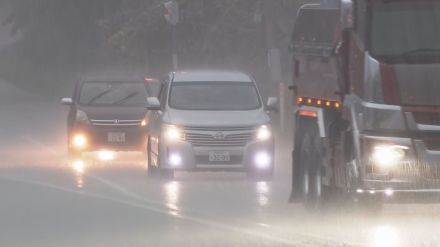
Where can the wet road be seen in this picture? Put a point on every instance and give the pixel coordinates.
(48, 202)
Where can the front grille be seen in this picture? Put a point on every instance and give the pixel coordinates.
(116, 123)
(433, 144)
(219, 136)
(233, 128)
(427, 118)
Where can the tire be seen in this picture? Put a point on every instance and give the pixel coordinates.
(307, 186)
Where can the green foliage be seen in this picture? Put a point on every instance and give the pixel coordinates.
(73, 34)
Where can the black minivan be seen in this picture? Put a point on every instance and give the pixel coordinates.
(108, 114)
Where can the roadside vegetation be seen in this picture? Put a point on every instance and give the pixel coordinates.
(60, 40)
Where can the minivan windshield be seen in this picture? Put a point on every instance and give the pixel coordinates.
(217, 96)
(113, 94)
(406, 30)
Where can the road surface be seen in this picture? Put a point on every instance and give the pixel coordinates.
(48, 202)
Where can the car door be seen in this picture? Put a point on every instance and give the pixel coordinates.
(157, 116)
(71, 117)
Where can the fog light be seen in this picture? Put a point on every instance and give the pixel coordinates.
(262, 160)
(389, 192)
(175, 160)
(79, 141)
(106, 155)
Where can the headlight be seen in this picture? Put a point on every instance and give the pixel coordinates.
(387, 156)
(81, 117)
(173, 133)
(144, 122)
(264, 133)
(79, 141)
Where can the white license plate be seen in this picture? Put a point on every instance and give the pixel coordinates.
(219, 156)
(116, 137)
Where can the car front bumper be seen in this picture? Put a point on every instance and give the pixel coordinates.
(97, 138)
(198, 157)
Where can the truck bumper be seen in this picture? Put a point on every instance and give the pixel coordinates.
(418, 171)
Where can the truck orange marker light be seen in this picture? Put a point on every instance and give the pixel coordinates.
(319, 102)
(337, 105)
(309, 101)
(308, 113)
(328, 103)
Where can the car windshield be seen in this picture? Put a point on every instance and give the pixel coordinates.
(406, 29)
(217, 96)
(113, 94)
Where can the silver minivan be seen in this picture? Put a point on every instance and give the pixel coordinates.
(210, 120)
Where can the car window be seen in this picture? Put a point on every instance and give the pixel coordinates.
(113, 94)
(215, 96)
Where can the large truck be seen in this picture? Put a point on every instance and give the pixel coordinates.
(366, 78)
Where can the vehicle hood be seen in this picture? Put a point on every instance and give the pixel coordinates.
(216, 118)
(111, 113)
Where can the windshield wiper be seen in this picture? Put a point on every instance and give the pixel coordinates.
(125, 98)
(98, 96)
(420, 51)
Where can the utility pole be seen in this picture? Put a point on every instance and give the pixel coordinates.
(274, 56)
(172, 17)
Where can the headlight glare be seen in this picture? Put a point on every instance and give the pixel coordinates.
(173, 133)
(264, 133)
(388, 155)
(79, 141)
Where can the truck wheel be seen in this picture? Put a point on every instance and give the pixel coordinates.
(308, 187)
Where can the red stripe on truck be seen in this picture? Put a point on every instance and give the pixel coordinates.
(390, 85)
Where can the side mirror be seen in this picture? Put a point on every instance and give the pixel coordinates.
(66, 101)
(153, 104)
(272, 104)
(347, 20)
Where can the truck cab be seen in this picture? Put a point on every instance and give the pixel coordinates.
(365, 77)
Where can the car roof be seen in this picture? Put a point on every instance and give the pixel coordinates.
(113, 78)
(210, 76)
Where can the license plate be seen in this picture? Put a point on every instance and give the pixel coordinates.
(219, 156)
(116, 137)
